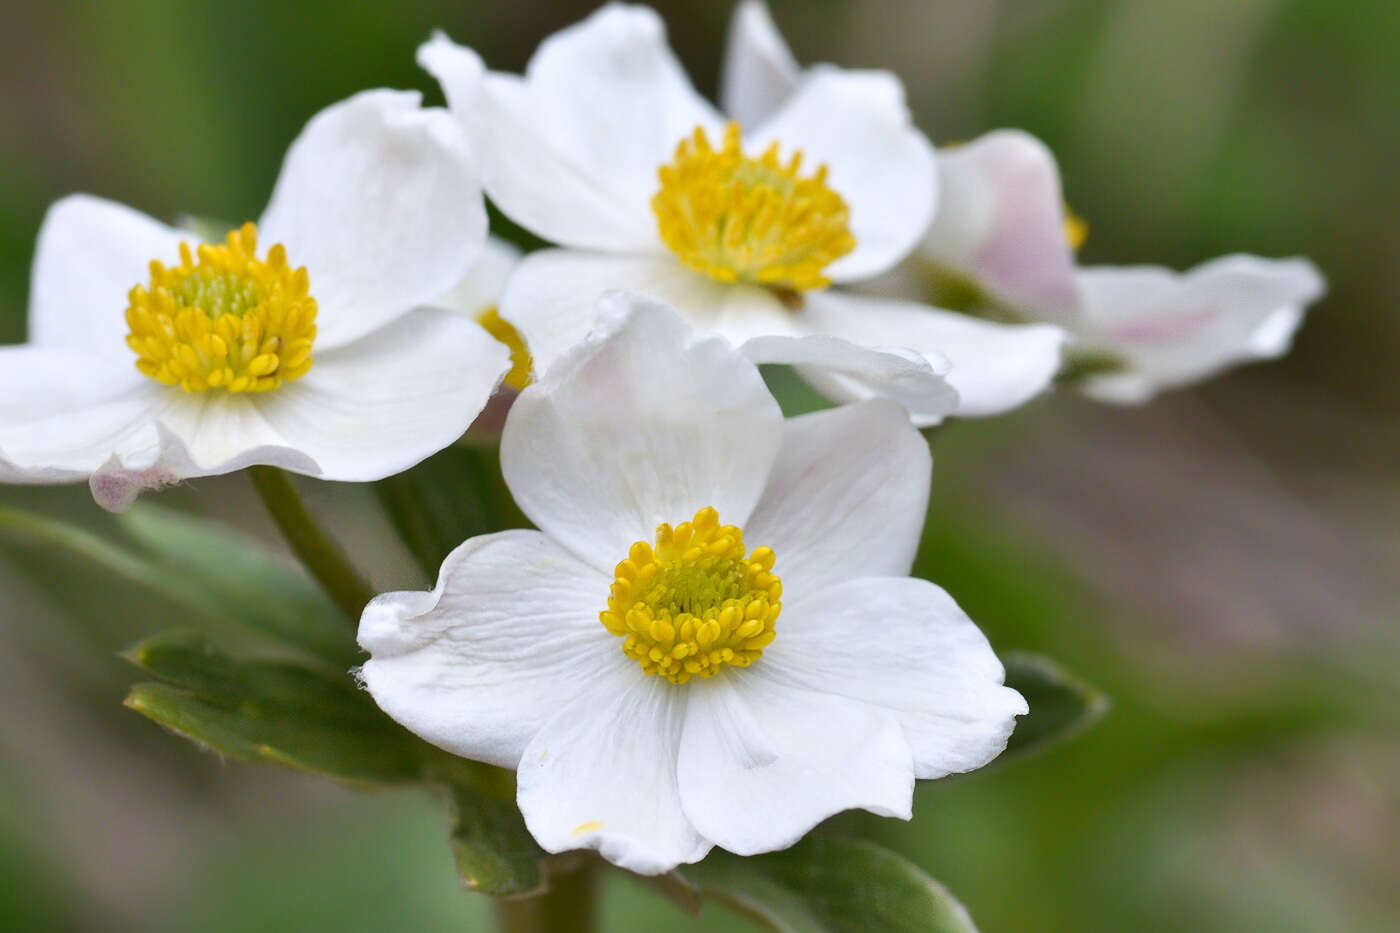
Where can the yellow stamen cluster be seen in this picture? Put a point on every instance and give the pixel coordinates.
(520, 363)
(224, 319)
(694, 602)
(741, 219)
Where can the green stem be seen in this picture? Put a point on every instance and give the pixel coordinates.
(312, 546)
(569, 906)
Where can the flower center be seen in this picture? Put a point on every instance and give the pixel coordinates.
(224, 319)
(694, 602)
(520, 363)
(741, 219)
(1076, 229)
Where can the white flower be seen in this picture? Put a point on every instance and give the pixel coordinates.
(604, 148)
(1002, 227)
(664, 680)
(479, 296)
(295, 343)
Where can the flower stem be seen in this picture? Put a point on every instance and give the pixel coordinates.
(569, 906)
(312, 546)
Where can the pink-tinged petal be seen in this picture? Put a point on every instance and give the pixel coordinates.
(1001, 222)
(1171, 329)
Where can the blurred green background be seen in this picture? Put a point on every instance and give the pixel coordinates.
(1220, 562)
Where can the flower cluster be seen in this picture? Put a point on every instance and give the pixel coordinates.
(710, 637)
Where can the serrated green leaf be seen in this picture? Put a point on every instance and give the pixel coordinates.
(830, 884)
(495, 853)
(205, 567)
(454, 495)
(1061, 705)
(271, 711)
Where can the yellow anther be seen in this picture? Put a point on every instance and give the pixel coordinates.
(1076, 229)
(223, 319)
(742, 219)
(695, 602)
(520, 363)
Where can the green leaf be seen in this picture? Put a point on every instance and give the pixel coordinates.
(1061, 704)
(271, 711)
(794, 394)
(454, 495)
(243, 580)
(830, 884)
(495, 853)
(203, 566)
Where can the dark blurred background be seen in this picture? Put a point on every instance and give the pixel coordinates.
(1220, 562)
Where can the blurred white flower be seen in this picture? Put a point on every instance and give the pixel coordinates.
(294, 343)
(1174, 328)
(1002, 230)
(603, 147)
(713, 638)
(1001, 226)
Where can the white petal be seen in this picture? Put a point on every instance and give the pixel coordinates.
(759, 72)
(90, 253)
(645, 422)
(196, 437)
(575, 206)
(481, 289)
(377, 406)
(64, 412)
(1001, 221)
(995, 367)
(611, 88)
(903, 645)
(571, 151)
(1177, 328)
(844, 371)
(507, 639)
(72, 414)
(212, 433)
(602, 775)
(856, 122)
(552, 298)
(380, 200)
(846, 497)
(823, 754)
